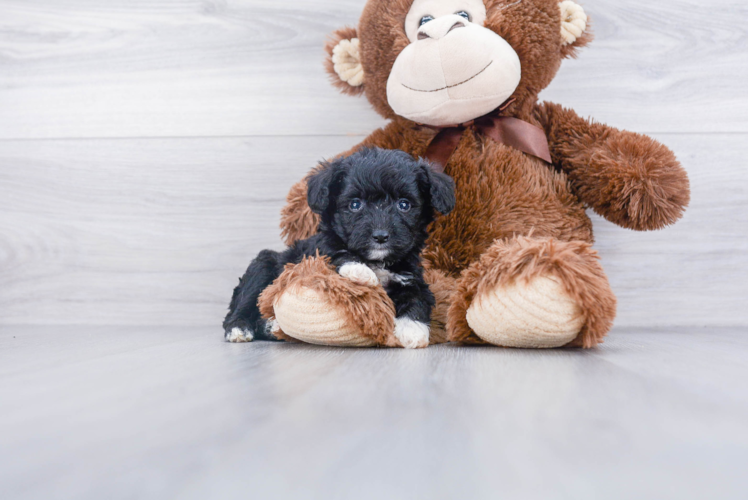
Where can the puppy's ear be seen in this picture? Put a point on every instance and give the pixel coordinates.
(320, 184)
(441, 189)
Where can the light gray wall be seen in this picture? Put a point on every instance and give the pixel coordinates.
(146, 148)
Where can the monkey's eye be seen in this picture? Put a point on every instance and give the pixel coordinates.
(464, 14)
(426, 19)
(403, 205)
(356, 205)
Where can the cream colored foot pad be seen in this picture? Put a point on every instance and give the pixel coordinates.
(538, 314)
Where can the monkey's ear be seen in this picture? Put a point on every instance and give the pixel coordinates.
(575, 32)
(343, 61)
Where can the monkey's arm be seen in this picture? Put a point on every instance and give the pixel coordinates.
(630, 179)
(298, 222)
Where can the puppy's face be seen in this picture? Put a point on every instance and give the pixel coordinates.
(379, 212)
(379, 203)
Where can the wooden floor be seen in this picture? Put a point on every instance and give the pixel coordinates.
(146, 147)
(121, 413)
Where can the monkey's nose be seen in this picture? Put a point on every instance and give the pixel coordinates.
(380, 236)
(438, 28)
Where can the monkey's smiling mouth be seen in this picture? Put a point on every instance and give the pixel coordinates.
(450, 86)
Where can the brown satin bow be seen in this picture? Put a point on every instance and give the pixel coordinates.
(507, 130)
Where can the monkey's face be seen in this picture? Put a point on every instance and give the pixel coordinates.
(446, 62)
(454, 69)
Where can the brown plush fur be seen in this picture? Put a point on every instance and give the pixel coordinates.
(516, 217)
(630, 179)
(298, 224)
(368, 308)
(442, 287)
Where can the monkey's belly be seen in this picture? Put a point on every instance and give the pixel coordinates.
(500, 198)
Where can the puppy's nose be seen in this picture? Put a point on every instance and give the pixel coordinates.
(380, 236)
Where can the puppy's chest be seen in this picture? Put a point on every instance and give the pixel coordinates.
(388, 278)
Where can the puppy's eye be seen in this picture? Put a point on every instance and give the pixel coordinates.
(464, 14)
(425, 19)
(403, 205)
(356, 205)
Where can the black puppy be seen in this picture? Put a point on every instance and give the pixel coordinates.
(375, 206)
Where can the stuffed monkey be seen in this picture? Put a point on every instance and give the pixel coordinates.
(513, 265)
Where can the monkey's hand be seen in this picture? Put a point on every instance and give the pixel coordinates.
(630, 179)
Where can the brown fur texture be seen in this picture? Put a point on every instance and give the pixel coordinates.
(367, 307)
(630, 179)
(298, 224)
(517, 217)
(575, 264)
(442, 287)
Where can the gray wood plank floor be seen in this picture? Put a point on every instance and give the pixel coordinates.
(165, 412)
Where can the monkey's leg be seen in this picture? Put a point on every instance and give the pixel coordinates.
(312, 303)
(533, 293)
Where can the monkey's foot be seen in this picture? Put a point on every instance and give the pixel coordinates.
(533, 293)
(307, 315)
(314, 304)
(536, 314)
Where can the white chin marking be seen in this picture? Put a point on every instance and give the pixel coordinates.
(238, 335)
(359, 273)
(378, 254)
(411, 334)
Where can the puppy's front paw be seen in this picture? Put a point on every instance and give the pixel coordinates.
(238, 335)
(359, 273)
(272, 327)
(411, 334)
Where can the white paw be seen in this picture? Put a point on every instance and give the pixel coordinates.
(411, 334)
(238, 335)
(359, 273)
(272, 327)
